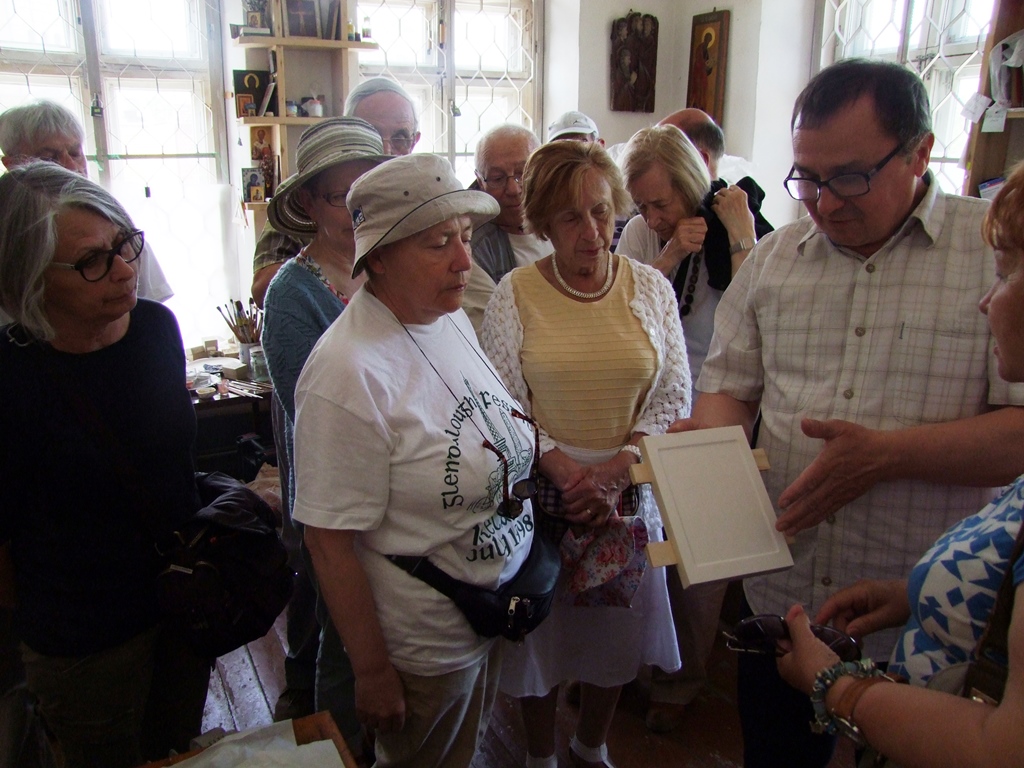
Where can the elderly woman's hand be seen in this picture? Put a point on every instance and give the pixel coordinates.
(593, 496)
(807, 655)
(380, 700)
(687, 238)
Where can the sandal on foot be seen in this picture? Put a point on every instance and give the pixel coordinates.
(585, 756)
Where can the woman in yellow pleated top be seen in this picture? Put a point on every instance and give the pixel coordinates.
(592, 343)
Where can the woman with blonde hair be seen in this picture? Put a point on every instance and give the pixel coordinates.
(592, 345)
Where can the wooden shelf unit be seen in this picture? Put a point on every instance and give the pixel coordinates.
(339, 60)
(990, 154)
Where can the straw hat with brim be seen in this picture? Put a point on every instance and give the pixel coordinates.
(408, 195)
(330, 142)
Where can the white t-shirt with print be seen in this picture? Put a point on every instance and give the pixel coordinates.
(390, 426)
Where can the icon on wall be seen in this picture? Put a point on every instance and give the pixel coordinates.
(709, 46)
(634, 62)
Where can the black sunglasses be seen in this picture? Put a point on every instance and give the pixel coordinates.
(761, 634)
(512, 505)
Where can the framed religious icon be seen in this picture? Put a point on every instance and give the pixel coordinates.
(709, 47)
(302, 18)
(718, 518)
(634, 62)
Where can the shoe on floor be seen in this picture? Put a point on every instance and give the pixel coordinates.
(294, 703)
(664, 717)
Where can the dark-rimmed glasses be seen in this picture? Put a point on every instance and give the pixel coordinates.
(96, 265)
(511, 505)
(761, 634)
(843, 185)
(401, 142)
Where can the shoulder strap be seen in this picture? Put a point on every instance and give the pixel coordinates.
(995, 637)
(426, 571)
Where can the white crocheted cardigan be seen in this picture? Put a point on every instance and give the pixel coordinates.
(653, 303)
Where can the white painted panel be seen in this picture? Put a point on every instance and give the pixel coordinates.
(716, 510)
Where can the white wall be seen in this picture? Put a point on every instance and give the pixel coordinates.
(768, 64)
(585, 26)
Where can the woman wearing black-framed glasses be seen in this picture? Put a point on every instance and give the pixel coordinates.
(96, 434)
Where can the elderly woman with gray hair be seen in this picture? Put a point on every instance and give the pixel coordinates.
(96, 446)
(399, 409)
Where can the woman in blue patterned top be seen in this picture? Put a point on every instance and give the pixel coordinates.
(947, 600)
(306, 295)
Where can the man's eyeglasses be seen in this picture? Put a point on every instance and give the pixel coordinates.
(511, 506)
(761, 634)
(844, 185)
(500, 180)
(400, 143)
(96, 265)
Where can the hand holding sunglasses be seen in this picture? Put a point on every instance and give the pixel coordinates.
(761, 634)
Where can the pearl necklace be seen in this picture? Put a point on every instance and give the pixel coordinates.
(580, 294)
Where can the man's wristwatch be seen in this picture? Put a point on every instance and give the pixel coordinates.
(743, 244)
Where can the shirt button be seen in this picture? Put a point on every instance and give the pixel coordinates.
(870, 268)
(826, 582)
(860, 331)
(848, 394)
(830, 519)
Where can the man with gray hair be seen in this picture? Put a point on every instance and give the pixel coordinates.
(45, 130)
(385, 105)
(502, 244)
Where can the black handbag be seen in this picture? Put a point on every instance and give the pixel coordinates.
(514, 609)
(224, 577)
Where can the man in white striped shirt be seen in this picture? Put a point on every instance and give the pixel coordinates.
(857, 334)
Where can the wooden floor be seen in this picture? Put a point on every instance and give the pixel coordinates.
(246, 683)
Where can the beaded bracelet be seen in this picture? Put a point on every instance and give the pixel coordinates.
(825, 721)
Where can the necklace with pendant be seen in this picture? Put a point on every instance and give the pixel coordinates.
(580, 294)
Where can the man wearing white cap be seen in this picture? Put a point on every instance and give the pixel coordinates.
(574, 126)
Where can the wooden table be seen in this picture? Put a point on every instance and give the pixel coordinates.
(318, 727)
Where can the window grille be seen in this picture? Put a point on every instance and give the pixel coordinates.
(942, 40)
(469, 65)
(158, 139)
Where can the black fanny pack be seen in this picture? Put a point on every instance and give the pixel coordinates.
(514, 609)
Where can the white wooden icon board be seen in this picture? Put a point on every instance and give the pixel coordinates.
(718, 518)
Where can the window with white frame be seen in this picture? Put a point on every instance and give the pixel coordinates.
(156, 133)
(942, 40)
(468, 64)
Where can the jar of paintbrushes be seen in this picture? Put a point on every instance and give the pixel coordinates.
(245, 323)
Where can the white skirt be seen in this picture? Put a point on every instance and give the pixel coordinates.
(604, 646)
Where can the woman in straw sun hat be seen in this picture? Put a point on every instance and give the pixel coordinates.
(305, 297)
(398, 407)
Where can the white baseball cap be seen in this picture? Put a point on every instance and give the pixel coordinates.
(572, 122)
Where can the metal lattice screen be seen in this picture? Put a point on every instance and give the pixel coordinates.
(157, 138)
(942, 40)
(469, 66)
